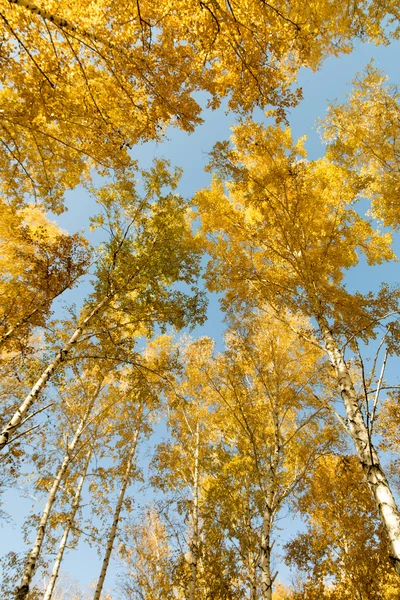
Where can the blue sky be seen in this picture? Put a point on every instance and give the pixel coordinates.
(190, 153)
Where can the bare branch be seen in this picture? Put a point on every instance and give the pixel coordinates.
(36, 413)
(376, 400)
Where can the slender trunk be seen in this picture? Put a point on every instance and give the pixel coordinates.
(74, 508)
(367, 454)
(266, 578)
(252, 561)
(194, 544)
(17, 325)
(252, 556)
(118, 508)
(271, 502)
(60, 22)
(60, 357)
(29, 571)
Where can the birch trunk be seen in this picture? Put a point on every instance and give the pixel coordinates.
(60, 357)
(367, 454)
(29, 571)
(58, 21)
(266, 578)
(118, 508)
(252, 561)
(194, 544)
(63, 543)
(272, 503)
(17, 325)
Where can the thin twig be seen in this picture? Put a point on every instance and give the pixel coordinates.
(36, 413)
(378, 389)
(23, 433)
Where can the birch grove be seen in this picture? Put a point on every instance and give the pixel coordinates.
(301, 265)
(29, 571)
(164, 447)
(116, 516)
(63, 542)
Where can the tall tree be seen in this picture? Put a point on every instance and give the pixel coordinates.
(274, 427)
(180, 465)
(282, 231)
(150, 248)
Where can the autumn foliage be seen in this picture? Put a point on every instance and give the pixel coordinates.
(183, 456)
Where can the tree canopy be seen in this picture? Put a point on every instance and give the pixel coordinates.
(138, 435)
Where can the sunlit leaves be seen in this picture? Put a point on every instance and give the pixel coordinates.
(363, 134)
(83, 82)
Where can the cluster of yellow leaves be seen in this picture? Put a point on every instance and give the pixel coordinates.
(283, 230)
(38, 261)
(343, 550)
(363, 134)
(389, 423)
(81, 82)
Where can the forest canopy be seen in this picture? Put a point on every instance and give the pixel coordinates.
(248, 451)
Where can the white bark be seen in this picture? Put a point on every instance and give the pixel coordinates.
(252, 566)
(63, 24)
(266, 579)
(268, 517)
(194, 543)
(60, 357)
(17, 325)
(29, 571)
(117, 513)
(272, 503)
(44, 14)
(367, 454)
(63, 543)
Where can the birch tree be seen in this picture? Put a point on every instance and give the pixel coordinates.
(30, 567)
(274, 428)
(149, 249)
(39, 262)
(137, 408)
(179, 465)
(283, 234)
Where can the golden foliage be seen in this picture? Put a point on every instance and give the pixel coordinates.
(74, 96)
(38, 261)
(363, 134)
